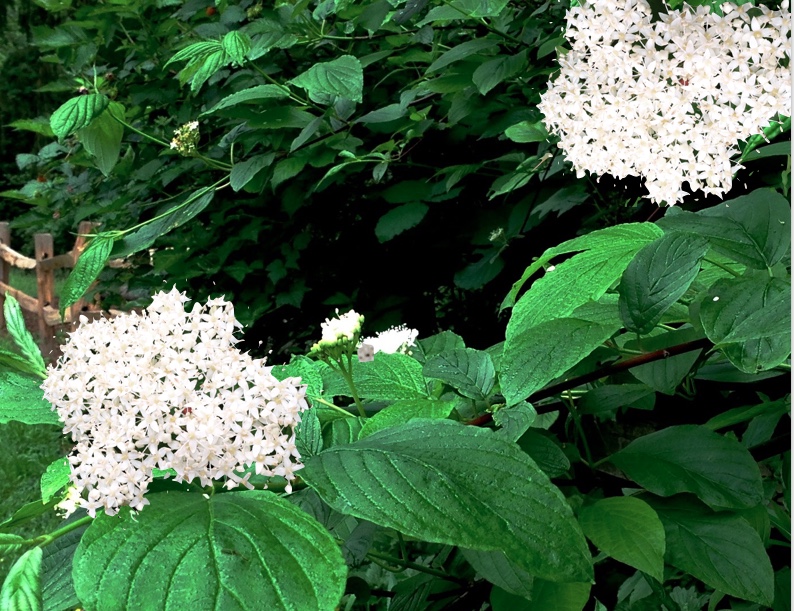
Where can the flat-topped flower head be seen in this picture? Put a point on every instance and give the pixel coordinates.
(186, 138)
(168, 390)
(397, 339)
(667, 100)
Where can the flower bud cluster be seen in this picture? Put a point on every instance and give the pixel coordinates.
(668, 100)
(338, 332)
(168, 390)
(186, 138)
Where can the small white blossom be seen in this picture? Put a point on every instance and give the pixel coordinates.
(667, 100)
(186, 138)
(343, 329)
(168, 390)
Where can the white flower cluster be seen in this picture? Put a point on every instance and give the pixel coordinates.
(344, 328)
(396, 339)
(186, 138)
(168, 390)
(667, 100)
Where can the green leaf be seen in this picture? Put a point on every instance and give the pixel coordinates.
(495, 71)
(196, 51)
(92, 261)
(471, 372)
(304, 368)
(15, 325)
(657, 277)
(605, 399)
(545, 595)
(22, 588)
(209, 66)
(38, 126)
(309, 435)
(23, 400)
(738, 415)
(750, 307)
(446, 341)
(720, 549)
(252, 94)
(500, 571)
(400, 219)
(629, 530)
(546, 454)
(174, 217)
(77, 113)
(343, 77)
(240, 550)
(27, 512)
(461, 51)
(102, 138)
(464, 9)
(429, 479)
(237, 45)
(390, 377)
(585, 276)
(404, 411)
(690, 458)
(752, 229)
(750, 319)
(666, 374)
(545, 351)
(342, 431)
(527, 131)
(243, 171)
(10, 544)
(514, 421)
(54, 479)
(57, 587)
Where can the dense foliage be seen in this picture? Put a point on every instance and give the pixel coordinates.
(596, 412)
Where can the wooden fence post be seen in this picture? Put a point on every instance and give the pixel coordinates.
(45, 286)
(5, 269)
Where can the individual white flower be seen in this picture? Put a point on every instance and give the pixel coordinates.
(168, 390)
(667, 100)
(396, 339)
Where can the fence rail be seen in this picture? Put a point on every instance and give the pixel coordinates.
(45, 263)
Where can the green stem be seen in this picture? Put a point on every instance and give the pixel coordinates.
(139, 132)
(284, 88)
(331, 405)
(215, 187)
(487, 25)
(220, 165)
(412, 565)
(347, 374)
(578, 424)
(49, 538)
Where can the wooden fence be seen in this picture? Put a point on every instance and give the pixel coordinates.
(45, 264)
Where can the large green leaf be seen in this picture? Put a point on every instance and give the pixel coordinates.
(527, 131)
(721, 549)
(465, 9)
(541, 353)
(304, 368)
(494, 71)
(237, 45)
(461, 51)
(390, 377)
(750, 318)
(90, 263)
(196, 51)
(102, 137)
(621, 242)
(445, 482)
(545, 595)
(406, 410)
(400, 219)
(15, 325)
(57, 587)
(206, 69)
(471, 372)
(22, 588)
(753, 229)
(170, 219)
(77, 113)
(244, 171)
(690, 458)
(343, 77)
(23, 400)
(657, 277)
(240, 550)
(252, 94)
(627, 529)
